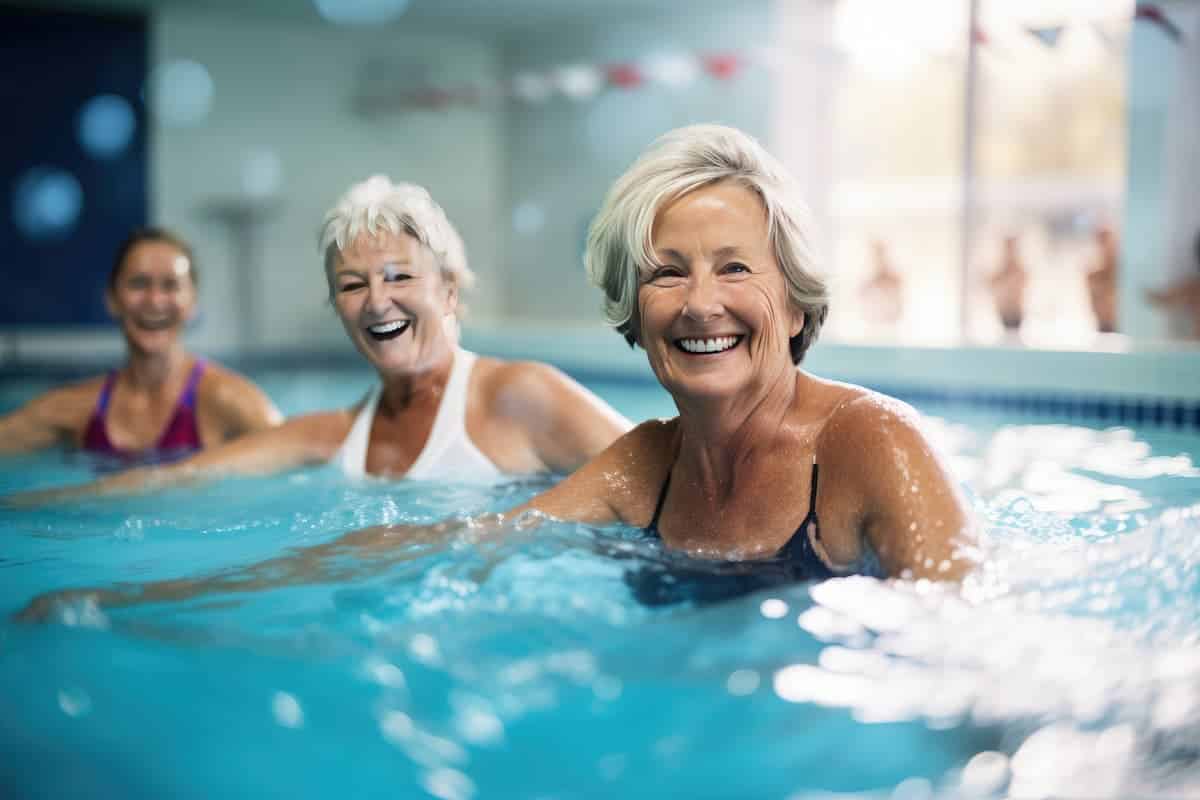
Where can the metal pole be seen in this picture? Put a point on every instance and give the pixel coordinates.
(970, 126)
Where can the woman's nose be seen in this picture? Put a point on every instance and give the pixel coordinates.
(703, 301)
(158, 296)
(378, 301)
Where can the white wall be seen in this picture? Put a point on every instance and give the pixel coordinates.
(1163, 164)
(1183, 159)
(562, 156)
(287, 87)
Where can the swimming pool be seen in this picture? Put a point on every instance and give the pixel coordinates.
(522, 667)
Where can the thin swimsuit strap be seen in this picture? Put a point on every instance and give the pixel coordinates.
(105, 394)
(188, 398)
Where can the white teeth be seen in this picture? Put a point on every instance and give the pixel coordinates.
(714, 345)
(387, 327)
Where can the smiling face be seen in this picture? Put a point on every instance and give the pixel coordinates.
(715, 318)
(394, 303)
(153, 296)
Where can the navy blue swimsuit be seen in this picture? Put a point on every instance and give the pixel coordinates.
(708, 581)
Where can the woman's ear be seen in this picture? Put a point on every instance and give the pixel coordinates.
(452, 296)
(110, 305)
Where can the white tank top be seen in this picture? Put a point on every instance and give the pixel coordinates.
(449, 454)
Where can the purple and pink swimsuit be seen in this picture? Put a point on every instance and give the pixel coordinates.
(180, 438)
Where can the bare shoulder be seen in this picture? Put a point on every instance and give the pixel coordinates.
(237, 398)
(519, 387)
(862, 416)
(618, 485)
(221, 384)
(639, 458)
(70, 405)
(875, 447)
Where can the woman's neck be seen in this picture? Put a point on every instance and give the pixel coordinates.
(717, 435)
(151, 371)
(401, 392)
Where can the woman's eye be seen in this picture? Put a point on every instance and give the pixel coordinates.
(399, 276)
(351, 287)
(736, 266)
(666, 272)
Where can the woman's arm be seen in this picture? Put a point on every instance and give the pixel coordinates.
(913, 514)
(47, 419)
(386, 546)
(310, 439)
(566, 424)
(598, 493)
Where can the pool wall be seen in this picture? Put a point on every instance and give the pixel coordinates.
(1121, 384)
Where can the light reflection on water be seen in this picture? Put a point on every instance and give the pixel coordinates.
(1068, 666)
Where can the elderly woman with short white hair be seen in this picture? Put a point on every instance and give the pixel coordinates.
(396, 270)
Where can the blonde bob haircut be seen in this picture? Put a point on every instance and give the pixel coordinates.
(620, 254)
(376, 205)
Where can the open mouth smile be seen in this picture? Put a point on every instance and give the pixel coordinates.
(386, 331)
(154, 324)
(709, 346)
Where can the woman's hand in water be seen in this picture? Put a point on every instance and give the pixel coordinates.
(74, 606)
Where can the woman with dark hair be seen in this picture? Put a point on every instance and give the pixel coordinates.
(164, 402)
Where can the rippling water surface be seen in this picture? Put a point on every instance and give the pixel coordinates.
(520, 666)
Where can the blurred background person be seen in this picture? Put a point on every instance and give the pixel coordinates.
(1182, 297)
(1007, 285)
(1102, 280)
(882, 294)
(164, 403)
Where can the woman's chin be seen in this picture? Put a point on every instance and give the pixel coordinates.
(707, 387)
(152, 342)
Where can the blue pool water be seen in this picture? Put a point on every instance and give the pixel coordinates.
(520, 666)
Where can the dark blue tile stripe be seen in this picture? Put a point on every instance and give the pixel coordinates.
(1108, 409)
(1142, 411)
(1104, 409)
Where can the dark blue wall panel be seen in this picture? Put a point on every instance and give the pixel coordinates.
(54, 265)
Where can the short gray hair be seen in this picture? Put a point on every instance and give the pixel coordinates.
(377, 204)
(620, 253)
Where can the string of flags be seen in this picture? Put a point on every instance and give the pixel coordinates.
(582, 82)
